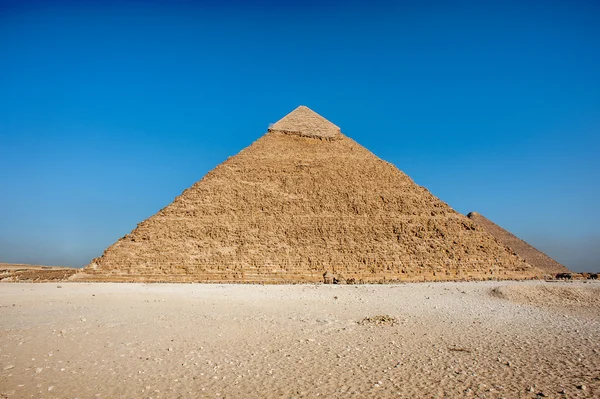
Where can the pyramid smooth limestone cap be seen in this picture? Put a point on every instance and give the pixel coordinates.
(303, 121)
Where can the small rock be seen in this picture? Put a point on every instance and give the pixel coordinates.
(541, 394)
(50, 388)
(39, 370)
(582, 387)
(170, 349)
(9, 367)
(531, 389)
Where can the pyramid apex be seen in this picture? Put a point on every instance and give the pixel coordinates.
(303, 121)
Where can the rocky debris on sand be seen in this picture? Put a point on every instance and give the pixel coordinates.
(379, 320)
(34, 273)
(459, 349)
(564, 276)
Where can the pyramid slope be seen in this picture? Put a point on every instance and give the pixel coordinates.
(532, 255)
(290, 208)
(303, 121)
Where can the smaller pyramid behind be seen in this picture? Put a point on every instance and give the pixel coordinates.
(531, 255)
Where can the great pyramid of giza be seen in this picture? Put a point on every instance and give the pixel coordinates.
(531, 255)
(303, 202)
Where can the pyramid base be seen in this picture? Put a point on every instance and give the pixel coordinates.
(316, 277)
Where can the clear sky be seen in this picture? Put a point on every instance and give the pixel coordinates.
(109, 110)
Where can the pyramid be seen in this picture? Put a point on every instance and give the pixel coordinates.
(531, 255)
(302, 203)
(303, 121)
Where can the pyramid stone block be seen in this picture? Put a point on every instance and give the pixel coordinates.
(305, 122)
(303, 202)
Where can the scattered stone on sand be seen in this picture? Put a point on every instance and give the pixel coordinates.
(379, 320)
(459, 349)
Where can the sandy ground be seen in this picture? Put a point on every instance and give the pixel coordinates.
(470, 339)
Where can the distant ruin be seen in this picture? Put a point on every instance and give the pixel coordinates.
(302, 202)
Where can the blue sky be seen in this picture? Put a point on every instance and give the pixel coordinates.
(109, 110)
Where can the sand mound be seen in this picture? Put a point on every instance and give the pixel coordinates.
(582, 297)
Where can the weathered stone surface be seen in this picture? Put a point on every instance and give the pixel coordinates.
(303, 121)
(292, 207)
(531, 255)
(10, 272)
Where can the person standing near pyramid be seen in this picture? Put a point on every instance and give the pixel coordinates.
(302, 201)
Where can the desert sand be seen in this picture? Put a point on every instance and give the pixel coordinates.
(441, 340)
